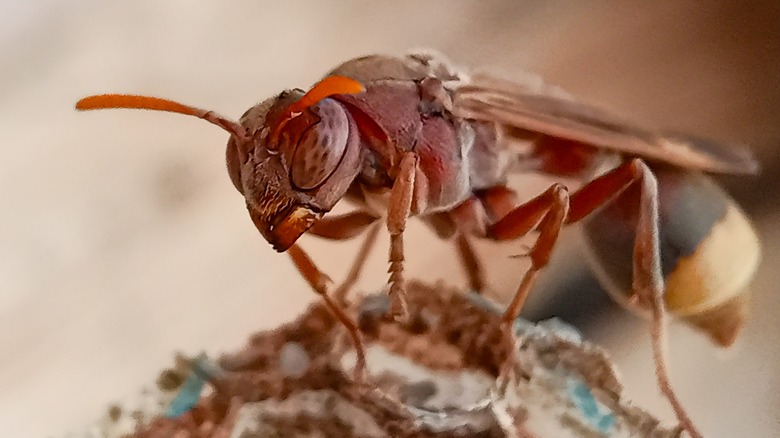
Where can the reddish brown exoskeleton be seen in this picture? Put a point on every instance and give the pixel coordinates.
(411, 136)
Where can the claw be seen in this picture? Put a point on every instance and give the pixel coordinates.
(526, 253)
(360, 376)
(399, 309)
(507, 372)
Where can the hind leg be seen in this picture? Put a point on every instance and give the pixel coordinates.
(553, 209)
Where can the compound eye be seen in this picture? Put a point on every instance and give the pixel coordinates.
(234, 164)
(321, 147)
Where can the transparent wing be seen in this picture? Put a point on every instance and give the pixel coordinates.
(548, 111)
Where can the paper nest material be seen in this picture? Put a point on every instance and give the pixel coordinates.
(433, 376)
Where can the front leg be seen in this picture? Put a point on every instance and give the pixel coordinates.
(346, 227)
(319, 282)
(399, 209)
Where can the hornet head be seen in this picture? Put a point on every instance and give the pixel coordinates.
(292, 157)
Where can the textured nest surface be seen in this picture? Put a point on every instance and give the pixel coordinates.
(431, 377)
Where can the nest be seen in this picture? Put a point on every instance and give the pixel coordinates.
(432, 376)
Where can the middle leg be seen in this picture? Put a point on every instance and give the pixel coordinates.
(470, 219)
(547, 213)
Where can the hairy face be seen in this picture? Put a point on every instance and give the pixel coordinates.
(293, 169)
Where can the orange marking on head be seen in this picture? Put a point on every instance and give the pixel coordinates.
(325, 88)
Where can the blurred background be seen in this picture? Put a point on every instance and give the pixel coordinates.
(123, 240)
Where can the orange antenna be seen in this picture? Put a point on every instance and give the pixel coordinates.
(327, 87)
(105, 101)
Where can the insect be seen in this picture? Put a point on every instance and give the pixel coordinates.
(412, 136)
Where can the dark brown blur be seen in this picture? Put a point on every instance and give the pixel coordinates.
(122, 238)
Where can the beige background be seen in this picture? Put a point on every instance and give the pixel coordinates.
(122, 239)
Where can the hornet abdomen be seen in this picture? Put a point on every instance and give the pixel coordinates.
(709, 250)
